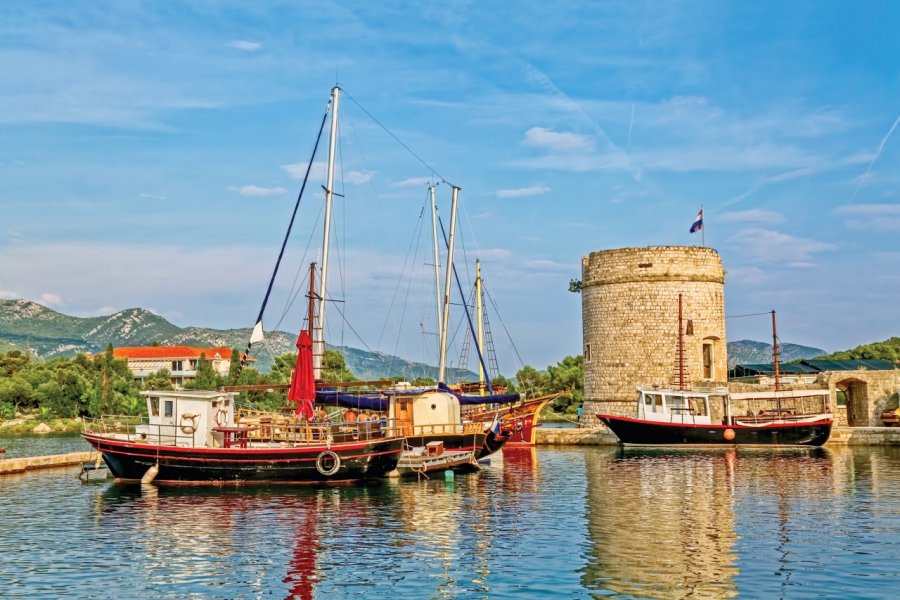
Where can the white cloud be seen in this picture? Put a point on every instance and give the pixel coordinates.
(245, 45)
(15, 236)
(541, 137)
(870, 217)
(298, 170)
(774, 247)
(535, 190)
(754, 215)
(413, 182)
(255, 190)
(359, 177)
(8, 295)
(151, 196)
(105, 310)
(51, 299)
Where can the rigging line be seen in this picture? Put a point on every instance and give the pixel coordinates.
(417, 234)
(497, 312)
(768, 312)
(409, 280)
(342, 254)
(396, 139)
(301, 267)
(293, 216)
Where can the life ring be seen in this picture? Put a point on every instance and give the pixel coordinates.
(221, 411)
(328, 463)
(193, 418)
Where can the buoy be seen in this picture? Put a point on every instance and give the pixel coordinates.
(729, 434)
(150, 475)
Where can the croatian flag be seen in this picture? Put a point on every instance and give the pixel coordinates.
(698, 222)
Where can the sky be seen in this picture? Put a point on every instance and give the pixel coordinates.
(151, 155)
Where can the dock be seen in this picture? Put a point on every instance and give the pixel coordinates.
(10, 466)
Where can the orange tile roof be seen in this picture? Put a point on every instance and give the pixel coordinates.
(172, 352)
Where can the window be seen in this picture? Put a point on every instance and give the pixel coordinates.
(169, 406)
(154, 407)
(193, 365)
(177, 365)
(708, 370)
(587, 353)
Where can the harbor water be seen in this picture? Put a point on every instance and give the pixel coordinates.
(580, 522)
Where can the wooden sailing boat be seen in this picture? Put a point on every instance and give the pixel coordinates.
(195, 437)
(683, 416)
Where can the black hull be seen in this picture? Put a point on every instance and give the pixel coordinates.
(358, 461)
(651, 433)
(492, 443)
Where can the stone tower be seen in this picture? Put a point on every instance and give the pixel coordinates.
(630, 323)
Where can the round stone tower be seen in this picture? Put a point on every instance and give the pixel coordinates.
(630, 323)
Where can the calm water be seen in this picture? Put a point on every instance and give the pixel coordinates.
(563, 523)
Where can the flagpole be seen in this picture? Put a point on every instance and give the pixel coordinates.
(702, 227)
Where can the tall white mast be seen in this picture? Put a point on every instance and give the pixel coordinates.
(437, 268)
(479, 310)
(445, 317)
(319, 340)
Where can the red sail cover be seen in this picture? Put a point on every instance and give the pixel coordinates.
(303, 384)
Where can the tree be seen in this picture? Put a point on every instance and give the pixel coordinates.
(206, 378)
(567, 376)
(235, 366)
(575, 286)
(531, 382)
(423, 382)
(160, 380)
(334, 367)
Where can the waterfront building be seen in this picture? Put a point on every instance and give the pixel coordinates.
(180, 361)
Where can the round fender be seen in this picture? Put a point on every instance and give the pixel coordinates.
(328, 463)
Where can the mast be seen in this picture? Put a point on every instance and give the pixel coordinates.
(437, 269)
(479, 309)
(775, 357)
(311, 309)
(319, 338)
(445, 316)
(680, 347)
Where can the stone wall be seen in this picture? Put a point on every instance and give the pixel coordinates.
(630, 322)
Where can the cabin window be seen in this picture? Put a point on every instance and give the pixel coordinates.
(708, 370)
(154, 407)
(587, 353)
(169, 405)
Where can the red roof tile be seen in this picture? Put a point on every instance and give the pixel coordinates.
(171, 352)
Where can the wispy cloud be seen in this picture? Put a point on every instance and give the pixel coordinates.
(560, 141)
(151, 196)
(14, 235)
(255, 190)
(413, 182)
(870, 217)
(874, 158)
(776, 248)
(359, 177)
(8, 295)
(535, 190)
(51, 299)
(245, 45)
(754, 215)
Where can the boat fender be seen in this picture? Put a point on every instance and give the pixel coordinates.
(328, 463)
(151, 474)
(189, 422)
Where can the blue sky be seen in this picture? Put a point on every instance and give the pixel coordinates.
(149, 151)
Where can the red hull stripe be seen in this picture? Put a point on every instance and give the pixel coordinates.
(224, 451)
(713, 425)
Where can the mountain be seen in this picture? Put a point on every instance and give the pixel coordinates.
(746, 352)
(48, 334)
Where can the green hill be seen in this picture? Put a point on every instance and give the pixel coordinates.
(47, 334)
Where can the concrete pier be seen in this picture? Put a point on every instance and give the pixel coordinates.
(9, 466)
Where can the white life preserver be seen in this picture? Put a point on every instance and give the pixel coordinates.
(194, 420)
(328, 463)
(220, 422)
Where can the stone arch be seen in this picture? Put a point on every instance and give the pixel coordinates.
(857, 392)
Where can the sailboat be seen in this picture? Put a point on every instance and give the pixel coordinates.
(196, 437)
(682, 416)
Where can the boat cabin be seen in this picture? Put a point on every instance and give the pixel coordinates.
(425, 412)
(188, 418)
(673, 406)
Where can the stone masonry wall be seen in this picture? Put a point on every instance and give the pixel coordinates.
(630, 321)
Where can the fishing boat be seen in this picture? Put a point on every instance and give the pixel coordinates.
(194, 437)
(681, 416)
